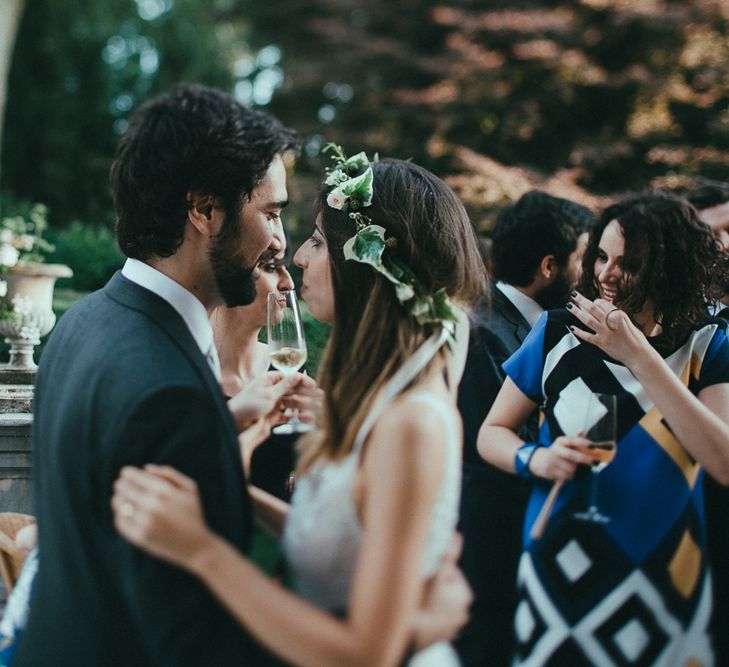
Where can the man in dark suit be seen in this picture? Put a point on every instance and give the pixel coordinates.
(129, 377)
(537, 246)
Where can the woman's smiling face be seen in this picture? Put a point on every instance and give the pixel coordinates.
(609, 263)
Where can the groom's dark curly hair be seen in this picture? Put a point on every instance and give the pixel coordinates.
(194, 139)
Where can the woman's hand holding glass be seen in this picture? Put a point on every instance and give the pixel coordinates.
(561, 460)
(263, 398)
(264, 402)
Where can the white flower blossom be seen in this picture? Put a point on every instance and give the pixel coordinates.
(6, 236)
(335, 177)
(8, 255)
(3, 289)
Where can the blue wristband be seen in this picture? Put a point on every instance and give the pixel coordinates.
(523, 456)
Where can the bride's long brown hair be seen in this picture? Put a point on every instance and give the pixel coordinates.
(373, 333)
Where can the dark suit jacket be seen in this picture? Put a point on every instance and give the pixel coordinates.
(121, 382)
(506, 323)
(492, 502)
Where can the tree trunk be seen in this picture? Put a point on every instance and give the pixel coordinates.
(10, 13)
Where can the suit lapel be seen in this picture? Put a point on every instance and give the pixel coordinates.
(136, 297)
(510, 313)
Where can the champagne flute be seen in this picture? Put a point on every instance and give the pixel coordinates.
(287, 346)
(600, 426)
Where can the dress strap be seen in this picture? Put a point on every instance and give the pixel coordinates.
(404, 375)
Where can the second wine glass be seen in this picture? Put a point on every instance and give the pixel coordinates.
(600, 426)
(287, 345)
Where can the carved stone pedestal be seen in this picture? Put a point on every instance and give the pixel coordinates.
(16, 418)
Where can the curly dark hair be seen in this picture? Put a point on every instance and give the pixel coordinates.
(527, 230)
(193, 139)
(671, 258)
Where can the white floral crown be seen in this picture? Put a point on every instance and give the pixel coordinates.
(370, 245)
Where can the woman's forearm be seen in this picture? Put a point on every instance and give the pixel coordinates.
(497, 440)
(498, 445)
(269, 512)
(700, 425)
(295, 630)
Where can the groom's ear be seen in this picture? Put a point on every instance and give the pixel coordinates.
(201, 213)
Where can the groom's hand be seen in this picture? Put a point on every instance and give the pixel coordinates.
(261, 397)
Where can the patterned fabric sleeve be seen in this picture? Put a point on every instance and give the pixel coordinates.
(715, 367)
(525, 366)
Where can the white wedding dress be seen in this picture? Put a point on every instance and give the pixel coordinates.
(322, 536)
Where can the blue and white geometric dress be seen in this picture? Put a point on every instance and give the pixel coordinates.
(636, 590)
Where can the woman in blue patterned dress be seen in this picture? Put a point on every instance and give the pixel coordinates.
(635, 590)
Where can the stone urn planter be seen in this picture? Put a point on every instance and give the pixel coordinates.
(29, 314)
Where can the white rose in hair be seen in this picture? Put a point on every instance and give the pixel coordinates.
(337, 200)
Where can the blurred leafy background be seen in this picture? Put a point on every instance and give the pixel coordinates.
(587, 99)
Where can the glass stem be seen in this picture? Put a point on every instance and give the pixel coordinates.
(294, 419)
(593, 492)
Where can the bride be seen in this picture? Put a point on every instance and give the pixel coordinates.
(376, 500)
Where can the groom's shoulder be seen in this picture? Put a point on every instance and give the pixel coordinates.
(102, 331)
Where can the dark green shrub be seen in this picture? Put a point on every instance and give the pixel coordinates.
(90, 251)
(317, 335)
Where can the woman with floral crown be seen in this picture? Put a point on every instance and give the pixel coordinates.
(376, 500)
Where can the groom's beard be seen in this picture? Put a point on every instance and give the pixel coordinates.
(556, 294)
(235, 281)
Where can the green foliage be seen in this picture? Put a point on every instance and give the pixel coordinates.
(77, 71)
(317, 335)
(91, 252)
(583, 98)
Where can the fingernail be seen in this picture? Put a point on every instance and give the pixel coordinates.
(568, 306)
(573, 293)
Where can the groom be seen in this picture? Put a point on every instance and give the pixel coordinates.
(130, 376)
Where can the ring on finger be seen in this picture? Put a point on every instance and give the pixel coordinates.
(126, 510)
(607, 319)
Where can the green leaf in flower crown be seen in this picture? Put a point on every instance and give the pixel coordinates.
(404, 292)
(357, 161)
(435, 308)
(358, 188)
(366, 247)
(442, 306)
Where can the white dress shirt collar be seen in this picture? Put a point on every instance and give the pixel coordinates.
(527, 306)
(184, 302)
